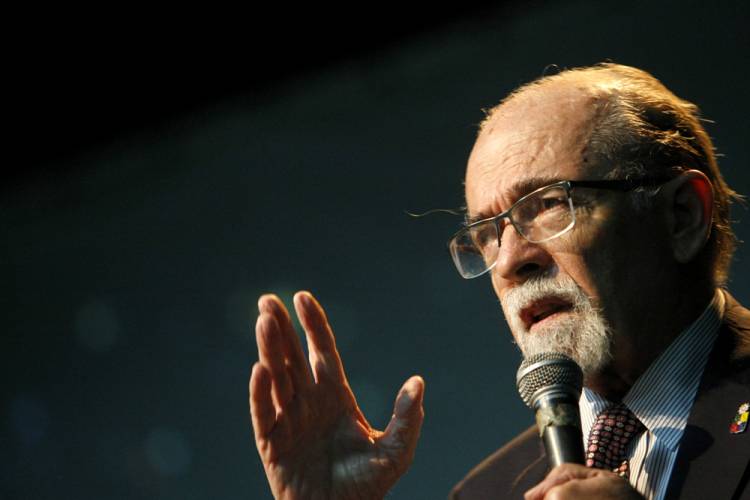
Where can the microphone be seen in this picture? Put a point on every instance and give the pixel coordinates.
(550, 383)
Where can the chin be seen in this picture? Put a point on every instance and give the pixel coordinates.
(554, 314)
(586, 340)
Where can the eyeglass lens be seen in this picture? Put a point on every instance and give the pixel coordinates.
(544, 215)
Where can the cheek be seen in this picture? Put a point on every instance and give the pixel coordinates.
(596, 257)
(612, 263)
(498, 284)
(590, 275)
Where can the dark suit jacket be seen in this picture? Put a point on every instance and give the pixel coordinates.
(711, 463)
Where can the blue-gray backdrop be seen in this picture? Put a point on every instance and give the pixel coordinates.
(130, 282)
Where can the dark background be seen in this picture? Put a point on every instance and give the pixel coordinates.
(161, 174)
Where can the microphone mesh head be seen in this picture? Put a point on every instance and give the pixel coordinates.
(548, 369)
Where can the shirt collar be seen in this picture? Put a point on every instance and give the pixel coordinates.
(663, 395)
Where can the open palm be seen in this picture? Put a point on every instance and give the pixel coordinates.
(313, 439)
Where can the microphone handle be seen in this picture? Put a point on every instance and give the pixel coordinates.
(559, 423)
(563, 444)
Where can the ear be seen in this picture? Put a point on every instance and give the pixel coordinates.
(690, 201)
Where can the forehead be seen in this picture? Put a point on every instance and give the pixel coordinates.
(535, 138)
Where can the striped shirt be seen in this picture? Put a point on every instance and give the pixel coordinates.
(661, 398)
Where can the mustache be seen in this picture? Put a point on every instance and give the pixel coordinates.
(540, 287)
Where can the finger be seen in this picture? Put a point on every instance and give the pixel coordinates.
(271, 355)
(324, 358)
(296, 362)
(561, 492)
(598, 486)
(262, 411)
(403, 430)
(570, 490)
(557, 476)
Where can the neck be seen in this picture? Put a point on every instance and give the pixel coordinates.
(652, 331)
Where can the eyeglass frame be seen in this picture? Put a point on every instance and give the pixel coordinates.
(568, 185)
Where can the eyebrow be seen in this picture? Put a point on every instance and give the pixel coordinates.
(517, 190)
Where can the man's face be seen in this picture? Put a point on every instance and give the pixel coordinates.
(558, 295)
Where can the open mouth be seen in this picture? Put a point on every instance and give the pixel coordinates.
(542, 309)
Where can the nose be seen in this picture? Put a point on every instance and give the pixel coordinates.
(518, 259)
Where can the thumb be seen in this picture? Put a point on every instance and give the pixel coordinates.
(402, 432)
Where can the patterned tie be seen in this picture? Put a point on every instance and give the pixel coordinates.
(609, 439)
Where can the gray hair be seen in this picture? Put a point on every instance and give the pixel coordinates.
(642, 129)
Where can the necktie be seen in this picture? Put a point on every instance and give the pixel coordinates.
(609, 438)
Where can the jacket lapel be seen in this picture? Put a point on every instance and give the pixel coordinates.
(711, 461)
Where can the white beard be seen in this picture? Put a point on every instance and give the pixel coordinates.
(581, 333)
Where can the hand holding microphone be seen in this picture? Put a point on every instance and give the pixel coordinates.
(550, 383)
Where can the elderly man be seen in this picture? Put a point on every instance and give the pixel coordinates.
(596, 205)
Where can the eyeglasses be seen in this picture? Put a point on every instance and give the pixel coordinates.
(542, 215)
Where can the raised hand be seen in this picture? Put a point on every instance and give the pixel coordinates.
(314, 441)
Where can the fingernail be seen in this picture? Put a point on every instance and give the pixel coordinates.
(408, 396)
(415, 386)
(403, 402)
(306, 299)
(410, 391)
(261, 301)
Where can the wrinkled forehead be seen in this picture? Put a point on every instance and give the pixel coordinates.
(542, 134)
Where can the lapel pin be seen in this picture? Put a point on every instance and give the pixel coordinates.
(739, 424)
